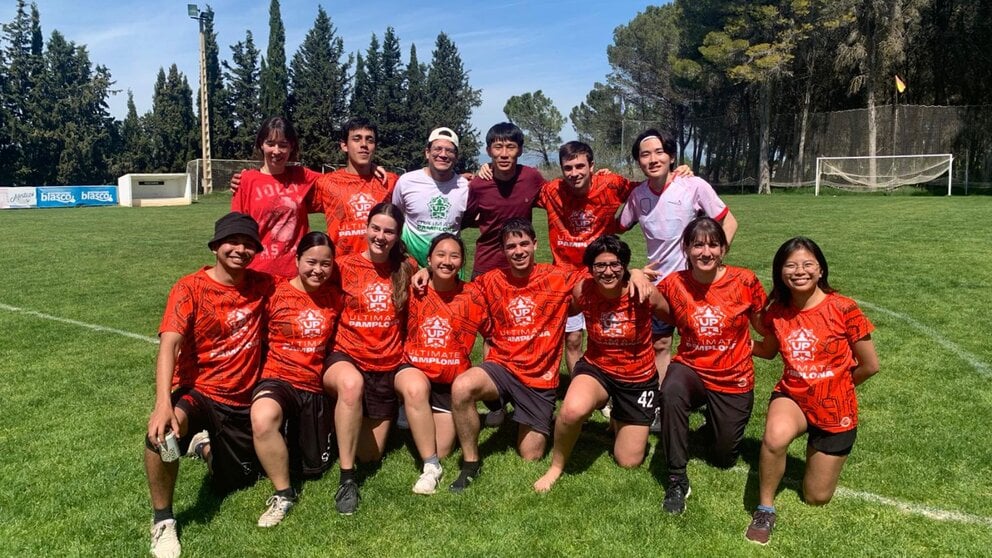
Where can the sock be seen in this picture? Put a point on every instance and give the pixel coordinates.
(287, 493)
(769, 509)
(161, 515)
(433, 460)
(347, 475)
(471, 467)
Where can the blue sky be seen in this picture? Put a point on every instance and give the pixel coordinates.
(509, 47)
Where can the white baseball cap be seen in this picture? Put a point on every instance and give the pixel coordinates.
(445, 134)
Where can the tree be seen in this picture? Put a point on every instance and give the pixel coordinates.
(361, 92)
(173, 129)
(597, 122)
(413, 137)
(23, 65)
(388, 108)
(133, 155)
(242, 76)
(539, 119)
(319, 90)
(274, 76)
(450, 99)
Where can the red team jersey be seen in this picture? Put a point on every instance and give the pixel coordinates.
(346, 199)
(575, 221)
(528, 321)
(281, 206)
(300, 324)
(221, 327)
(370, 330)
(619, 330)
(816, 346)
(713, 322)
(441, 330)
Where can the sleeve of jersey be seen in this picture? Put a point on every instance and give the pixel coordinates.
(856, 323)
(708, 201)
(391, 181)
(628, 215)
(478, 311)
(471, 216)
(314, 200)
(758, 296)
(239, 199)
(179, 307)
(333, 211)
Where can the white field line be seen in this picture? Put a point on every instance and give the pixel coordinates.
(976, 363)
(911, 508)
(92, 327)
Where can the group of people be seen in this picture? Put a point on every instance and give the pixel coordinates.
(295, 342)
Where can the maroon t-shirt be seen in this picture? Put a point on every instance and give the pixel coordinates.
(490, 204)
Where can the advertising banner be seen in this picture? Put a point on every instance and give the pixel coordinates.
(18, 198)
(75, 196)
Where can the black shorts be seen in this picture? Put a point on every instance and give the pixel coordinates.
(308, 424)
(234, 463)
(379, 399)
(830, 443)
(633, 402)
(531, 407)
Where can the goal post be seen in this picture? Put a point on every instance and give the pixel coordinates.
(883, 172)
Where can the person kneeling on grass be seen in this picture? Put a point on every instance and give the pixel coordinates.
(618, 363)
(290, 399)
(826, 346)
(209, 354)
(528, 305)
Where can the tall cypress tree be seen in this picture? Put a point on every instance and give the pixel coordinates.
(242, 77)
(450, 99)
(414, 135)
(360, 105)
(133, 155)
(173, 126)
(389, 109)
(275, 78)
(319, 91)
(23, 64)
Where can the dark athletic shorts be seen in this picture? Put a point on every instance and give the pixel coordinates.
(830, 443)
(379, 399)
(531, 407)
(633, 402)
(440, 395)
(659, 327)
(308, 424)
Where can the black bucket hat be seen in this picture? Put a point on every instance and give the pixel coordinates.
(235, 223)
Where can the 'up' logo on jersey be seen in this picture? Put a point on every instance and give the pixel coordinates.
(311, 322)
(361, 203)
(522, 310)
(377, 297)
(801, 343)
(237, 320)
(708, 320)
(439, 206)
(435, 331)
(612, 325)
(581, 220)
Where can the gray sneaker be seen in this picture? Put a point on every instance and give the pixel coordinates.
(760, 529)
(278, 508)
(429, 479)
(165, 540)
(347, 498)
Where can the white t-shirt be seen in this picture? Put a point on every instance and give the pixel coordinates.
(430, 208)
(664, 217)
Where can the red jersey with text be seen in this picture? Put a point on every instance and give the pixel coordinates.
(281, 205)
(441, 330)
(370, 330)
(221, 325)
(713, 323)
(490, 204)
(817, 349)
(299, 327)
(619, 334)
(575, 220)
(528, 321)
(346, 198)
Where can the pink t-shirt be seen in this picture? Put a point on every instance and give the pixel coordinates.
(490, 204)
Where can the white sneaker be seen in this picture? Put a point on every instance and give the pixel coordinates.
(198, 440)
(278, 508)
(401, 422)
(607, 409)
(429, 479)
(495, 418)
(165, 539)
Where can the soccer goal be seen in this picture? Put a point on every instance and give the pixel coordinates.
(221, 171)
(882, 173)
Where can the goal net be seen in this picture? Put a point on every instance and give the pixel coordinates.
(221, 171)
(882, 173)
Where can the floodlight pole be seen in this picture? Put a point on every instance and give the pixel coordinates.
(202, 18)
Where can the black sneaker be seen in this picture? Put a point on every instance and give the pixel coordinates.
(347, 498)
(760, 529)
(676, 493)
(465, 478)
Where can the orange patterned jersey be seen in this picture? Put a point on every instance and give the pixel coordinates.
(370, 330)
(346, 199)
(528, 321)
(713, 322)
(575, 221)
(441, 330)
(221, 325)
(619, 331)
(816, 346)
(299, 327)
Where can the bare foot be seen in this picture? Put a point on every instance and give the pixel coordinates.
(545, 483)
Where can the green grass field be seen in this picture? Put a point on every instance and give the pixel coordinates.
(74, 403)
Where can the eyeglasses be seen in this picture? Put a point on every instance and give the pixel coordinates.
(445, 150)
(793, 267)
(602, 266)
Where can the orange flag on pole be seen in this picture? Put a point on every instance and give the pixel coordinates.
(900, 85)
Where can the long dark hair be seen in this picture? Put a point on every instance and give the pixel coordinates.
(702, 227)
(311, 239)
(399, 259)
(284, 127)
(780, 291)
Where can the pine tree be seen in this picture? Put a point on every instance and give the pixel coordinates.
(22, 66)
(450, 99)
(173, 126)
(414, 135)
(133, 155)
(274, 77)
(242, 77)
(389, 109)
(319, 91)
(360, 104)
